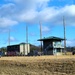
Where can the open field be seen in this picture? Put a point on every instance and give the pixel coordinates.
(39, 65)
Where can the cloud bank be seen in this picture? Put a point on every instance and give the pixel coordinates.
(29, 11)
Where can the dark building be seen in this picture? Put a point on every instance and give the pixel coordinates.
(22, 49)
(52, 45)
(18, 49)
(13, 49)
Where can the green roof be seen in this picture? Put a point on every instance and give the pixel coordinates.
(51, 38)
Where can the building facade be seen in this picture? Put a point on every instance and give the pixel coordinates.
(52, 45)
(19, 49)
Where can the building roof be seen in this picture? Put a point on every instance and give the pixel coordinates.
(18, 44)
(51, 38)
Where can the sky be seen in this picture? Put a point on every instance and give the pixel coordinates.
(15, 15)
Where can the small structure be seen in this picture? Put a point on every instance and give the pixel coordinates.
(19, 49)
(52, 45)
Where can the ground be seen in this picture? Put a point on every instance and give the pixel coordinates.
(39, 65)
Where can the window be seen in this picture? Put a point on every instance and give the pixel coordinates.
(58, 44)
(58, 50)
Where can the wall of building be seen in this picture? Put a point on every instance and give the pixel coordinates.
(13, 49)
(57, 52)
(57, 45)
(21, 49)
(46, 44)
(24, 49)
(27, 47)
(52, 47)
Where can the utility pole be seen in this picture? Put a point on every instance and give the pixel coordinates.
(27, 37)
(9, 37)
(64, 34)
(41, 36)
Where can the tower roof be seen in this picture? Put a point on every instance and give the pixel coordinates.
(51, 38)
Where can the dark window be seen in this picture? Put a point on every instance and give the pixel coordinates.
(58, 50)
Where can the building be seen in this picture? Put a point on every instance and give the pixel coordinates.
(52, 45)
(19, 49)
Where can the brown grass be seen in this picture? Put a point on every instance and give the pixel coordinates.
(39, 65)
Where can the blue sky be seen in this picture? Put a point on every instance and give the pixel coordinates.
(16, 14)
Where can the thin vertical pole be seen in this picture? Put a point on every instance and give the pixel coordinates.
(27, 37)
(9, 37)
(64, 35)
(40, 35)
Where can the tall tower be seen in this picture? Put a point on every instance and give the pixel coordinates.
(27, 37)
(9, 37)
(64, 35)
(41, 35)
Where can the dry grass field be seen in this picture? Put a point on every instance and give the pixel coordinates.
(39, 65)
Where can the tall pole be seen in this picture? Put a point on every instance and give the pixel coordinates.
(64, 35)
(27, 37)
(41, 35)
(9, 37)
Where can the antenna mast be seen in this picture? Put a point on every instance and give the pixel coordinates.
(27, 37)
(41, 35)
(9, 37)
(64, 35)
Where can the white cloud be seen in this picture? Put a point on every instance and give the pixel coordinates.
(27, 16)
(54, 15)
(12, 39)
(30, 4)
(45, 29)
(5, 22)
(35, 10)
(70, 10)
(7, 10)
